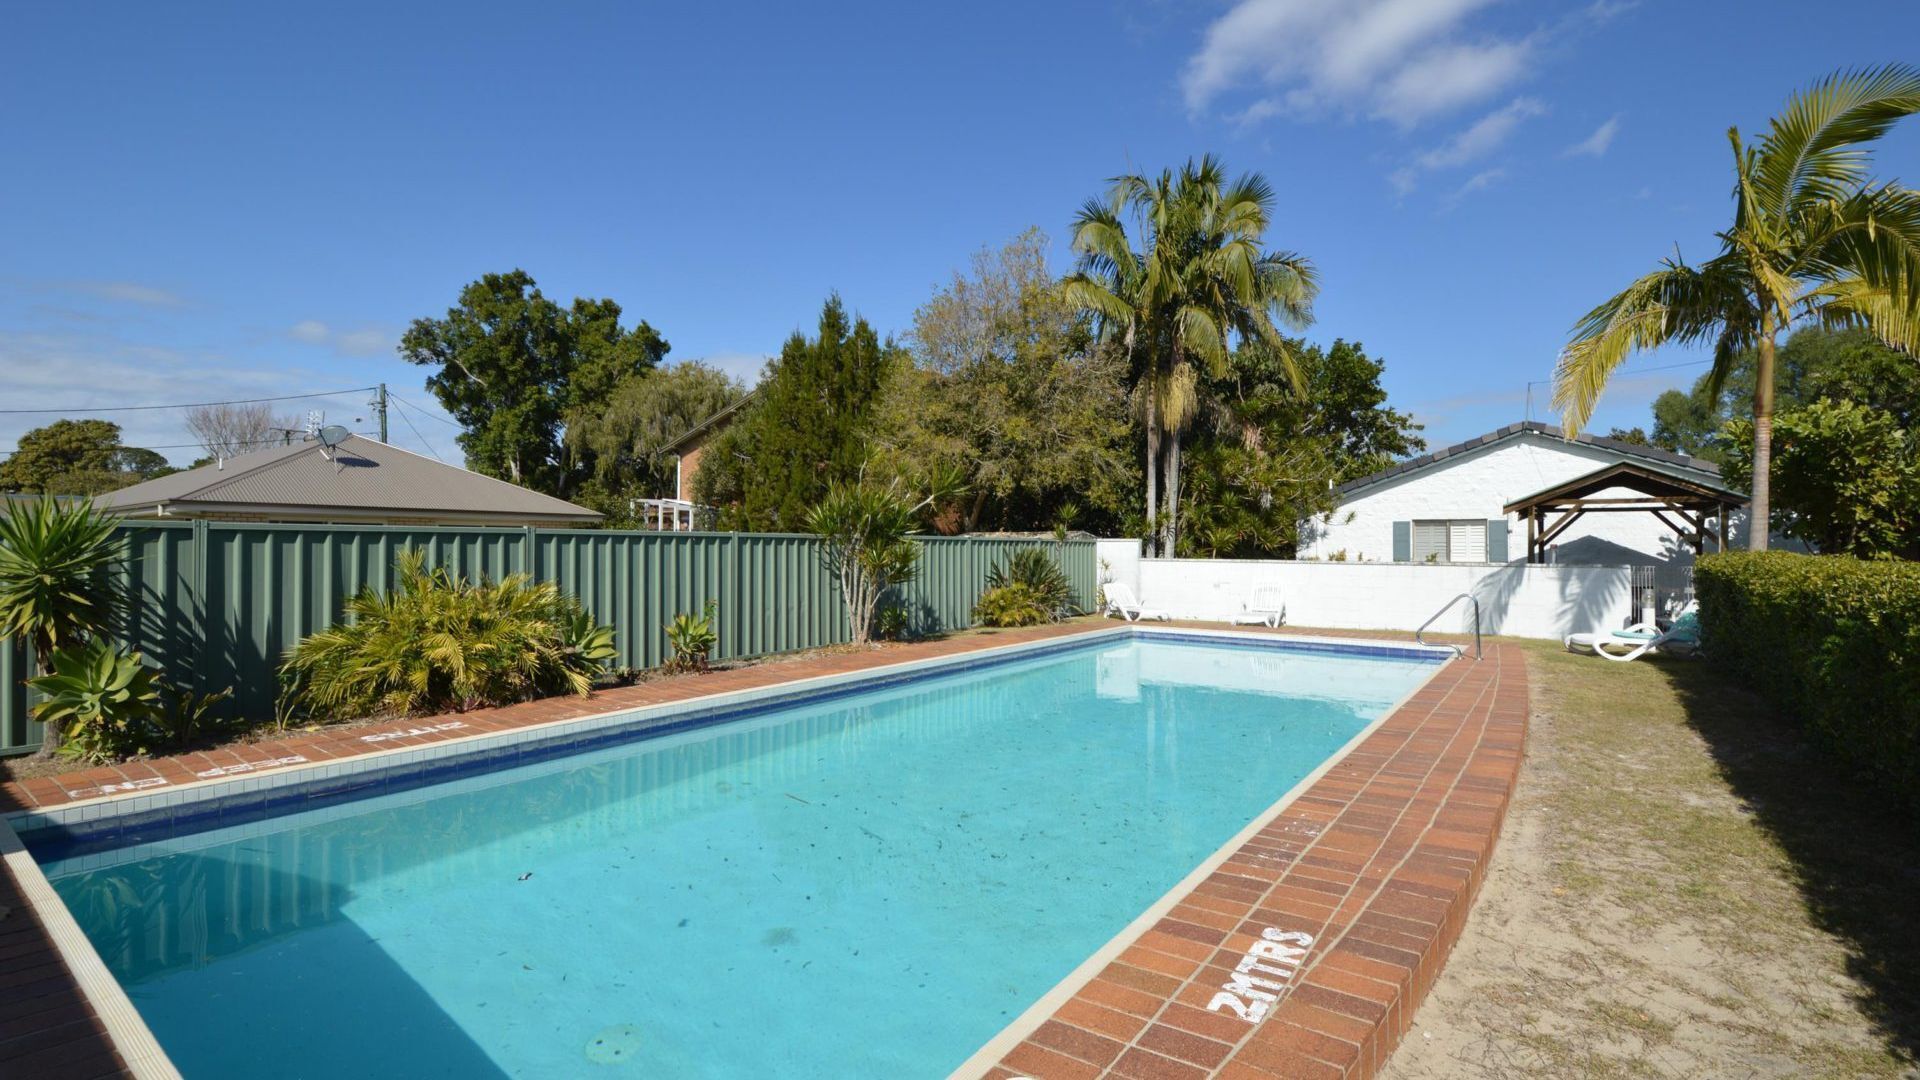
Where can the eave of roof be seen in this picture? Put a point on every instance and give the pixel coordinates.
(1530, 427)
(1634, 476)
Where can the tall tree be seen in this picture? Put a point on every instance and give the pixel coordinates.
(806, 429)
(1198, 281)
(512, 362)
(77, 457)
(626, 433)
(1813, 363)
(1008, 387)
(1266, 457)
(1813, 238)
(1846, 477)
(226, 431)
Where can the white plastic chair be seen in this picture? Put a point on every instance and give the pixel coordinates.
(1121, 601)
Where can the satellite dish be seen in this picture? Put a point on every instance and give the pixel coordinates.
(330, 438)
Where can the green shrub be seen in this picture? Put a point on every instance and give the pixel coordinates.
(1037, 571)
(1834, 642)
(437, 642)
(54, 587)
(1011, 604)
(103, 705)
(692, 638)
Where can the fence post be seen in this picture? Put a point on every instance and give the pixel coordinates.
(202, 573)
(529, 565)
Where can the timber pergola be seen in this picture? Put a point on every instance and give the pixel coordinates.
(1683, 505)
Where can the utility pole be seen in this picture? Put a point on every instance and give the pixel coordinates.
(380, 409)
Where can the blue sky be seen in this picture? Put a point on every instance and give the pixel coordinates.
(205, 202)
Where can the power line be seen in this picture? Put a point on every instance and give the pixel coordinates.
(416, 432)
(186, 404)
(426, 412)
(188, 446)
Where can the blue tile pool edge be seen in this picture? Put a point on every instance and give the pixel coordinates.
(125, 821)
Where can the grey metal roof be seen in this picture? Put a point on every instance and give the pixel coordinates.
(1533, 427)
(363, 476)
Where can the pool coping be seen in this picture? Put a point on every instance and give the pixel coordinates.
(1023, 1026)
(125, 1031)
(1380, 858)
(635, 713)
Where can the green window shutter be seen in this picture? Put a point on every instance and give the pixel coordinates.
(1403, 541)
(1496, 540)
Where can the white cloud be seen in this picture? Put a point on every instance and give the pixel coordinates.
(1595, 145)
(1479, 181)
(746, 367)
(1484, 136)
(1450, 77)
(119, 292)
(80, 373)
(309, 331)
(1400, 60)
(367, 341)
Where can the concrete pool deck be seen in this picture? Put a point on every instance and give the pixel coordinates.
(1372, 865)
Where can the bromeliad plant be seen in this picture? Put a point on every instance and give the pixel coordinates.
(99, 704)
(438, 642)
(692, 638)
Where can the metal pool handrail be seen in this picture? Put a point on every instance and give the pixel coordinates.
(1448, 606)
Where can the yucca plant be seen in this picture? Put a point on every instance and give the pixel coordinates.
(865, 531)
(438, 642)
(99, 704)
(54, 586)
(1813, 239)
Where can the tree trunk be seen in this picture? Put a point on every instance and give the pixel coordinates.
(1173, 494)
(1153, 467)
(1759, 519)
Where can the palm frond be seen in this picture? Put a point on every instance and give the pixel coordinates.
(1677, 303)
(1815, 149)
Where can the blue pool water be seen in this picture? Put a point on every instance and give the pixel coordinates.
(870, 886)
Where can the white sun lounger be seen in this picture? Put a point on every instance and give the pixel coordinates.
(1682, 638)
(1265, 607)
(1122, 602)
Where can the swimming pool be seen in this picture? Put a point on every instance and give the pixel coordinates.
(871, 884)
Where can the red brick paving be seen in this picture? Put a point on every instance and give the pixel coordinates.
(1379, 860)
(47, 1029)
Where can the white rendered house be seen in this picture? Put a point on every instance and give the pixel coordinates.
(1451, 506)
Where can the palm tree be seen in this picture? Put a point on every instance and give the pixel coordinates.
(1199, 278)
(1813, 238)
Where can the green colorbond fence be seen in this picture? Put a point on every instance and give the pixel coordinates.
(217, 604)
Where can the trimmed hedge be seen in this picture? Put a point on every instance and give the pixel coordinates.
(1833, 642)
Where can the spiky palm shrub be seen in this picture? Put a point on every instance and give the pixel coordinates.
(438, 642)
(1039, 575)
(864, 529)
(54, 587)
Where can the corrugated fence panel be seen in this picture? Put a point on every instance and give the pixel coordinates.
(217, 604)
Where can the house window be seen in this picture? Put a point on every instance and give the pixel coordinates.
(1450, 541)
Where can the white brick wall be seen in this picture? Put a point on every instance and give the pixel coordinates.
(1516, 599)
